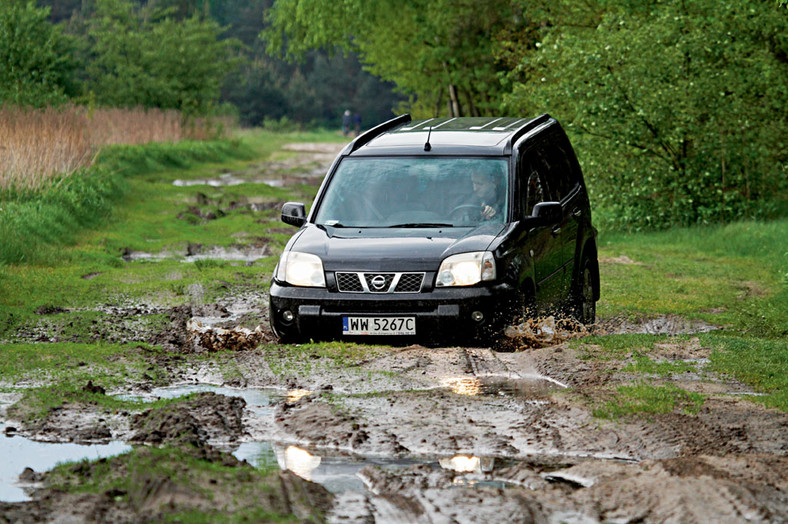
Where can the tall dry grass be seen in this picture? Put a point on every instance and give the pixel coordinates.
(39, 145)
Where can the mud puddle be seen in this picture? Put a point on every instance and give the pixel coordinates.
(531, 387)
(21, 457)
(190, 255)
(307, 166)
(260, 401)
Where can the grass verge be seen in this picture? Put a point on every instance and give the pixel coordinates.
(733, 276)
(32, 223)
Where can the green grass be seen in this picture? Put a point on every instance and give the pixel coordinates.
(647, 399)
(761, 363)
(37, 403)
(730, 275)
(107, 365)
(56, 216)
(167, 223)
(733, 276)
(210, 490)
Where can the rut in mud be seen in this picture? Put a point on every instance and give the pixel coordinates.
(392, 434)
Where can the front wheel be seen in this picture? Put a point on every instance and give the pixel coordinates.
(584, 305)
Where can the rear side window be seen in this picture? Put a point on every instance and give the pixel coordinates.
(531, 179)
(552, 157)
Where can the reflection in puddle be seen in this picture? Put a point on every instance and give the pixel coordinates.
(230, 254)
(227, 254)
(464, 464)
(525, 387)
(225, 180)
(339, 474)
(260, 401)
(470, 386)
(335, 472)
(18, 453)
(299, 461)
(294, 395)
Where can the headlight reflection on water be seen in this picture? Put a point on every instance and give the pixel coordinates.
(469, 386)
(299, 461)
(294, 395)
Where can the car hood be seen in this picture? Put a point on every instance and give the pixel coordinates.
(390, 249)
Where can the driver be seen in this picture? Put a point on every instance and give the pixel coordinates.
(488, 193)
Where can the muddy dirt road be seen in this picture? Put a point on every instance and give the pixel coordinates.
(403, 434)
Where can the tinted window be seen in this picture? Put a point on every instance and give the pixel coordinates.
(393, 191)
(561, 174)
(531, 182)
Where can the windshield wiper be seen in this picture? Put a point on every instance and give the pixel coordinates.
(423, 224)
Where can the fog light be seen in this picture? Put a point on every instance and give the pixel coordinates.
(477, 316)
(288, 315)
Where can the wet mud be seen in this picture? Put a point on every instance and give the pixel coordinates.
(409, 434)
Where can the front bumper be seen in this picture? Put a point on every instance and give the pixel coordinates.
(441, 313)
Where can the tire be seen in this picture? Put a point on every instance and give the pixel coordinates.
(583, 304)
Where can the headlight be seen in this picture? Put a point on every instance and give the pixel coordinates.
(466, 269)
(301, 269)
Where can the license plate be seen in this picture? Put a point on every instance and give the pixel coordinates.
(378, 325)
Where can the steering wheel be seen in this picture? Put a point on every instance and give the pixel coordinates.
(465, 212)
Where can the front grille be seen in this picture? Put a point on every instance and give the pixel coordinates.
(379, 282)
(409, 283)
(349, 283)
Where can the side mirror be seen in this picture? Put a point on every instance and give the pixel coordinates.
(294, 213)
(548, 212)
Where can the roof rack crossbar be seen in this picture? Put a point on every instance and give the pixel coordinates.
(367, 136)
(528, 126)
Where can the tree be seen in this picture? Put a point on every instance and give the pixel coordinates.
(155, 60)
(438, 51)
(680, 107)
(35, 57)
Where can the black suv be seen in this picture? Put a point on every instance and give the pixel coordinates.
(438, 229)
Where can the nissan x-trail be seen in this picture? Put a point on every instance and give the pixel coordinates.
(439, 229)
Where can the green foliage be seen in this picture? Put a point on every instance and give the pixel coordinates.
(679, 108)
(437, 51)
(35, 57)
(155, 60)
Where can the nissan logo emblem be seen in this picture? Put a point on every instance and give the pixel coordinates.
(378, 282)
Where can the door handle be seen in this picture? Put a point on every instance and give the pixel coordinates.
(577, 212)
(556, 231)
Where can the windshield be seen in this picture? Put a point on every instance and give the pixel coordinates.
(416, 192)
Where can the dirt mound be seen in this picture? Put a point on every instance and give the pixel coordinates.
(155, 485)
(207, 417)
(326, 425)
(217, 338)
(185, 334)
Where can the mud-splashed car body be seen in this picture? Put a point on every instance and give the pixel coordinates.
(437, 229)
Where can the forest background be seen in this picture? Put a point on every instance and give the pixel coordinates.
(678, 108)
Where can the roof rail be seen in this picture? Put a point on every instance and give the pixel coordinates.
(528, 126)
(367, 136)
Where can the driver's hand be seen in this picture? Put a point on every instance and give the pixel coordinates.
(487, 212)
